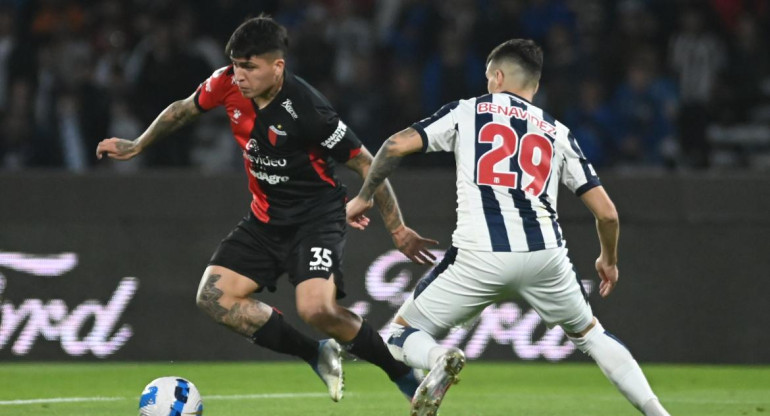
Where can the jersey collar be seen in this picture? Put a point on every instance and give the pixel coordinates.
(517, 96)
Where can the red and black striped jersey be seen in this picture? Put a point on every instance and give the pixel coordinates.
(289, 147)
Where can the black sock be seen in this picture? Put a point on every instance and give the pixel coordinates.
(368, 346)
(279, 336)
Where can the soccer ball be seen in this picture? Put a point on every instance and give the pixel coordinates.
(170, 396)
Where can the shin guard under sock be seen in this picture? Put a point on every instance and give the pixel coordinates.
(277, 335)
(369, 346)
(617, 364)
(415, 348)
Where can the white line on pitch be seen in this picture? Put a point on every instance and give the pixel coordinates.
(60, 400)
(211, 397)
(263, 396)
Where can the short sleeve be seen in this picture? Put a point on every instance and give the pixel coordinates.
(439, 131)
(211, 92)
(577, 173)
(322, 126)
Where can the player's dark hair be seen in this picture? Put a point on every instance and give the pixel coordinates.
(523, 52)
(257, 36)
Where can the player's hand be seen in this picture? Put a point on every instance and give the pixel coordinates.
(116, 148)
(609, 276)
(413, 245)
(355, 210)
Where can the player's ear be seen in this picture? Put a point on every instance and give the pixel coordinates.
(278, 66)
(499, 77)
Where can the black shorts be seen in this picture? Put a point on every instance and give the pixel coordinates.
(264, 252)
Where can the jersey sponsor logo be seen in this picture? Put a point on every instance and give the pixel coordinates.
(274, 133)
(264, 160)
(270, 179)
(287, 105)
(516, 112)
(335, 138)
(251, 153)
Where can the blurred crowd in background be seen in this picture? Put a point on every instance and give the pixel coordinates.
(643, 84)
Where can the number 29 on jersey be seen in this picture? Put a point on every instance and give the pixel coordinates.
(531, 155)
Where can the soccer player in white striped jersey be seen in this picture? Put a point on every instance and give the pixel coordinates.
(511, 157)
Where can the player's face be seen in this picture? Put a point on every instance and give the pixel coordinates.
(257, 75)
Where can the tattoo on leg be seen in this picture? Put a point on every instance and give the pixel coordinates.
(208, 300)
(244, 317)
(247, 316)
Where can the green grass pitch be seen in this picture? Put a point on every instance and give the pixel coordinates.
(291, 388)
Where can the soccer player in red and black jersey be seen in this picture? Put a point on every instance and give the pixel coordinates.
(291, 138)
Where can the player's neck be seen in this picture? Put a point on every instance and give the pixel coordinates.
(263, 100)
(525, 94)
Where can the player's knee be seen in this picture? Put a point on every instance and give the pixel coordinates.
(205, 299)
(579, 327)
(582, 337)
(200, 302)
(596, 340)
(220, 288)
(397, 335)
(214, 302)
(208, 294)
(210, 307)
(395, 343)
(317, 315)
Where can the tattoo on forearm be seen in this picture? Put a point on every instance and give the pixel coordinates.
(386, 202)
(359, 163)
(376, 185)
(382, 167)
(244, 317)
(173, 117)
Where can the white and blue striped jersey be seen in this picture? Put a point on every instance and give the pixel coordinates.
(511, 156)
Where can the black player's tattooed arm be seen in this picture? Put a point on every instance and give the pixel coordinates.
(176, 115)
(384, 197)
(245, 316)
(173, 117)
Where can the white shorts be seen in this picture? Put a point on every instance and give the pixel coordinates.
(467, 281)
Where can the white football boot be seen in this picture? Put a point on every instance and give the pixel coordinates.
(431, 391)
(329, 367)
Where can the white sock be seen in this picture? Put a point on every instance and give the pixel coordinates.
(654, 408)
(413, 347)
(621, 369)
